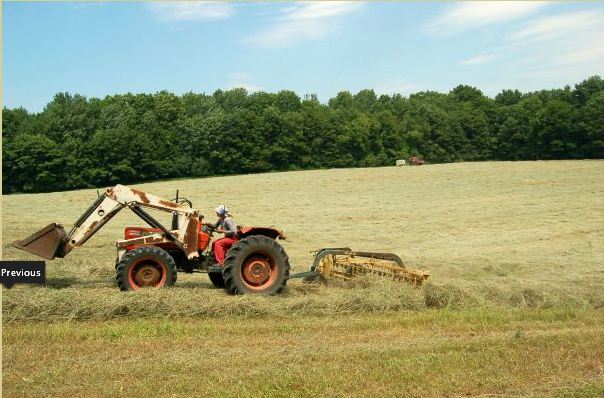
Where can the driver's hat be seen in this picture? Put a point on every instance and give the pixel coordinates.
(222, 210)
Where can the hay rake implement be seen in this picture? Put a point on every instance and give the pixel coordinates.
(345, 264)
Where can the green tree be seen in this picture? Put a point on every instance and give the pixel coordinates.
(587, 89)
(77, 142)
(508, 97)
(32, 163)
(591, 127)
(14, 121)
(554, 131)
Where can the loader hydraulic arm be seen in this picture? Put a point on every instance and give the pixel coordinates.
(52, 241)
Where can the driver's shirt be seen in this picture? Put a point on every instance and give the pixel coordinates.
(228, 226)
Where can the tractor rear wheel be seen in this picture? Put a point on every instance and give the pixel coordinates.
(216, 279)
(145, 266)
(256, 264)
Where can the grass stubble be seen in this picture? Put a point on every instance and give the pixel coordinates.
(513, 307)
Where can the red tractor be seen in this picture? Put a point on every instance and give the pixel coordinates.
(152, 257)
(415, 161)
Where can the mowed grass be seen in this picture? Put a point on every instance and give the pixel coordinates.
(435, 353)
(514, 308)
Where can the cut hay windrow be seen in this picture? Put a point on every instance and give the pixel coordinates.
(370, 295)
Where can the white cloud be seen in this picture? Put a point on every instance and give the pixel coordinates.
(562, 39)
(470, 15)
(95, 4)
(550, 27)
(563, 47)
(176, 11)
(302, 21)
(242, 80)
(478, 59)
(584, 55)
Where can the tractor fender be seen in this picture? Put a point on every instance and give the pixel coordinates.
(269, 232)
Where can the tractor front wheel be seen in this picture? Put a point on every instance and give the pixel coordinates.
(256, 264)
(145, 266)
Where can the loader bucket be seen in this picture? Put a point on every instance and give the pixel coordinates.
(48, 243)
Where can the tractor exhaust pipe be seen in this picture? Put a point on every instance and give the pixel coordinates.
(48, 243)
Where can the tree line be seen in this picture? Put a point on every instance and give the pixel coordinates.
(76, 142)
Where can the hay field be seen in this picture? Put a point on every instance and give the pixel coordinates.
(493, 230)
(515, 250)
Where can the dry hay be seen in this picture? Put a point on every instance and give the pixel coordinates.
(362, 295)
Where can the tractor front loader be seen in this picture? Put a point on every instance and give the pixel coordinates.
(151, 257)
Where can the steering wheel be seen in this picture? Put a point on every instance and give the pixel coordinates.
(208, 229)
(186, 201)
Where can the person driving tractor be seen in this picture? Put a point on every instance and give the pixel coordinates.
(227, 226)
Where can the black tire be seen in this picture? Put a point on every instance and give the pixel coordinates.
(216, 279)
(256, 265)
(142, 261)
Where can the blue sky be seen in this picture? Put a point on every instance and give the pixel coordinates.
(99, 49)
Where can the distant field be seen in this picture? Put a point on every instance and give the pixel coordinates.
(514, 249)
